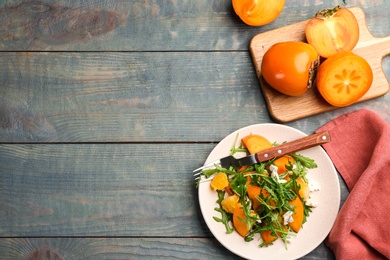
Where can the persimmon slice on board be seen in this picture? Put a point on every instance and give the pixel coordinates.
(332, 31)
(344, 78)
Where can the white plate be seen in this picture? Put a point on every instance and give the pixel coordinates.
(318, 224)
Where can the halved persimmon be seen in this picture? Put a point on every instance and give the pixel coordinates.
(258, 12)
(332, 31)
(344, 78)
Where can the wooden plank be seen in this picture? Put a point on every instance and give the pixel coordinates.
(120, 97)
(137, 97)
(100, 190)
(130, 190)
(285, 108)
(134, 25)
(124, 248)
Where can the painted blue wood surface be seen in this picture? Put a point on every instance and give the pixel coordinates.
(107, 106)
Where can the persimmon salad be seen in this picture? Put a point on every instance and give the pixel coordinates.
(271, 199)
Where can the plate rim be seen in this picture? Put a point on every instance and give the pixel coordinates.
(321, 151)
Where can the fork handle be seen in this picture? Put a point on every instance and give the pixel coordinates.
(293, 146)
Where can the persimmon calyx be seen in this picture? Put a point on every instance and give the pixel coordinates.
(313, 72)
(327, 13)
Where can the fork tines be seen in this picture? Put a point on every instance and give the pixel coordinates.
(199, 170)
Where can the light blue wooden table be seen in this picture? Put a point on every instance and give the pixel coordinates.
(106, 107)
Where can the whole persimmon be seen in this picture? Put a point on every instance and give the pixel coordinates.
(258, 12)
(332, 31)
(289, 67)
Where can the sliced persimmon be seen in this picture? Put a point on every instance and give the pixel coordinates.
(229, 203)
(344, 78)
(220, 182)
(268, 237)
(282, 162)
(239, 221)
(253, 191)
(298, 215)
(304, 190)
(255, 143)
(332, 31)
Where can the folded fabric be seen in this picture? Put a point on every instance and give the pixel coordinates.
(360, 151)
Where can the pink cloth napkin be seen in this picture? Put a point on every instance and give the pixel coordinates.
(360, 150)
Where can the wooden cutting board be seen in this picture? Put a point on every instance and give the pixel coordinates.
(284, 108)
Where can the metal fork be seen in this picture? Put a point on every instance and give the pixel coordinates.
(268, 154)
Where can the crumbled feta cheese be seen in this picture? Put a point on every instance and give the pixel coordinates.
(275, 174)
(287, 217)
(273, 168)
(289, 238)
(311, 203)
(313, 185)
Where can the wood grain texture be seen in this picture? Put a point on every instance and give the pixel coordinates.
(157, 25)
(123, 248)
(127, 97)
(285, 108)
(100, 190)
(136, 97)
(112, 91)
(105, 201)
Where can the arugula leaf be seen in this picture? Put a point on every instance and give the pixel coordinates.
(208, 172)
(305, 161)
(275, 195)
(239, 185)
(226, 217)
(235, 149)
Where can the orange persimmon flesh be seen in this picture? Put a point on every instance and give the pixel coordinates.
(304, 190)
(332, 31)
(267, 236)
(239, 225)
(298, 214)
(344, 78)
(229, 203)
(219, 182)
(254, 191)
(282, 162)
(255, 143)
